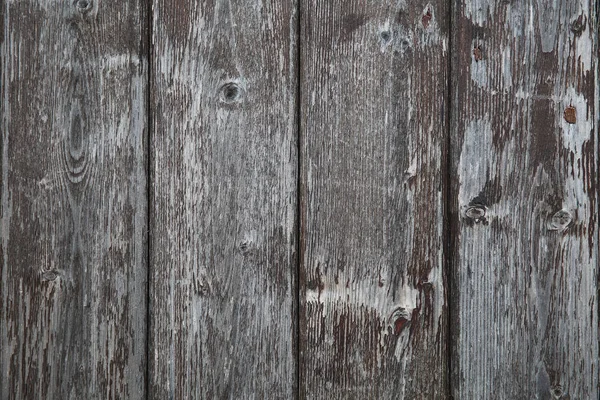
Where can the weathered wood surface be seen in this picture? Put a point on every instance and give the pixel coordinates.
(224, 178)
(513, 221)
(373, 145)
(524, 174)
(73, 254)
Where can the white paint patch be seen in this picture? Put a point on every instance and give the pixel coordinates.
(473, 164)
(411, 171)
(479, 72)
(584, 50)
(478, 11)
(506, 67)
(364, 294)
(575, 135)
(481, 162)
(118, 60)
(547, 15)
(430, 35)
(516, 19)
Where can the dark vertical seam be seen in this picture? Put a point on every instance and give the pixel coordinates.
(3, 132)
(299, 227)
(595, 58)
(149, 197)
(448, 216)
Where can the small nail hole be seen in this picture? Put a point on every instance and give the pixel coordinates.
(386, 36)
(477, 54)
(570, 115)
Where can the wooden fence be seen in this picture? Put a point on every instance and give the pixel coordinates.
(278, 199)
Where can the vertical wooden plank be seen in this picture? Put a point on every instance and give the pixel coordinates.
(73, 254)
(223, 241)
(524, 177)
(373, 134)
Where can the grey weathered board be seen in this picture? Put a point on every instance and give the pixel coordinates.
(223, 218)
(347, 199)
(524, 182)
(373, 150)
(73, 254)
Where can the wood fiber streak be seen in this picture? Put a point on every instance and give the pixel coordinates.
(373, 147)
(73, 205)
(524, 182)
(224, 177)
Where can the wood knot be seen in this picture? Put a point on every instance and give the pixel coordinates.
(570, 115)
(399, 325)
(399, 320)
(404, 45)
(426, 18)
(83, 6)
(425, 285)
(475, 213)
(201, 283)
(49, 275)
(578, 26)
(560, 221)
(246, 247)
(557, 391)
(231, 93)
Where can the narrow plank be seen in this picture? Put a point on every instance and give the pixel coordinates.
(373, 140)
(73, 205)
(223, 221)
(524, 196)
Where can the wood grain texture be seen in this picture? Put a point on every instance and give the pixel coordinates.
(524, 174)
(224, 178)
(73, 204)
(373, 135)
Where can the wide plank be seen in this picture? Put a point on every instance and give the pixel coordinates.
(524, 200)
(373, 152)
(224, 189)
(73, 205)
